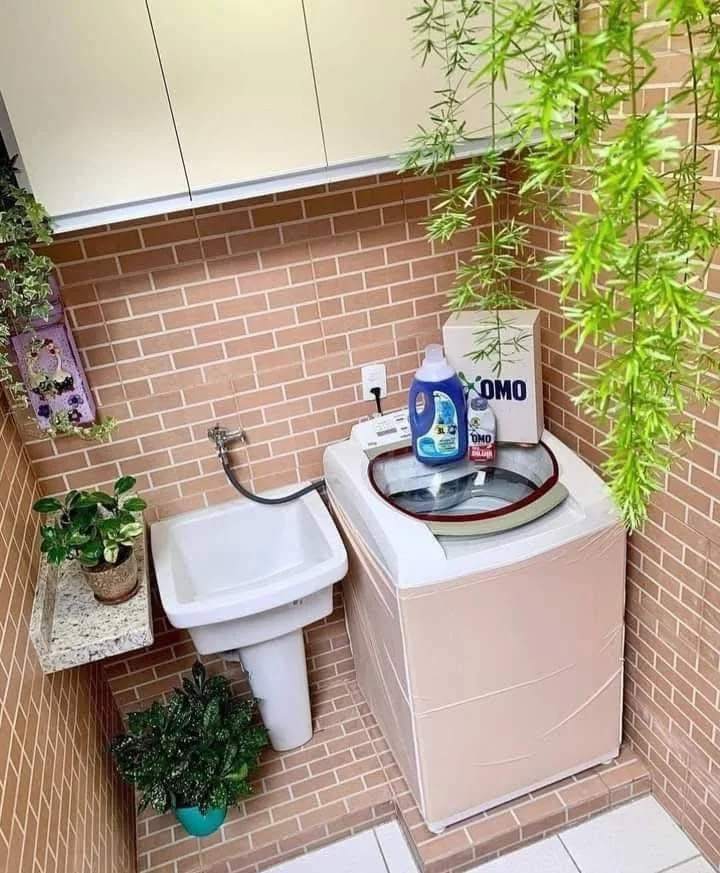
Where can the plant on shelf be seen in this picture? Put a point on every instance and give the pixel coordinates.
(98, 530)
(599, 161)
(25, 287)
(194, 754)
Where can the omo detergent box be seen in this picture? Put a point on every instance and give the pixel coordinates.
(510, 373)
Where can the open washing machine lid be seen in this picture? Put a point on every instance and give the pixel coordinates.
(470, 499)
(412, 553)
(466, 498)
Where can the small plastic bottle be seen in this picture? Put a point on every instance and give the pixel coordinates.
(481, 428)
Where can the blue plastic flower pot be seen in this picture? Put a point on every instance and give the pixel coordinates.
(197, 824)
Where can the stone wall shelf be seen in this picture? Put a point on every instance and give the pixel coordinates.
(68, 627)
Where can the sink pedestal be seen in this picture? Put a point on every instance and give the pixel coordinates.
(245, 580)
(278, 678)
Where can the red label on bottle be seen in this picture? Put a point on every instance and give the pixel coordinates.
(480, 452)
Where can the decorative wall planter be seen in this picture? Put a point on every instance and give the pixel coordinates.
(51, 369)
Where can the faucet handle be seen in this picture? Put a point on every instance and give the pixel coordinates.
(222, 437)
(217, 434)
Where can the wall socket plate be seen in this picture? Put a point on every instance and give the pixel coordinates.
(374, 376)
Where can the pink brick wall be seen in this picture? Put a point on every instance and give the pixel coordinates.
(63, 809)
(256, 314)
(672, 713)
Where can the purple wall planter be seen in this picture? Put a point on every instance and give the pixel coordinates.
(51, 370)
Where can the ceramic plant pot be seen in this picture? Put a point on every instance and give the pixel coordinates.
(114, 583)
(197, 824)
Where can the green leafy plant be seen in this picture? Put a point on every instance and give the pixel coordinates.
(60, 425)
(198, 749)
(484, 280)
(24, 291)
(637, 228)
(24, 274)
(93, 527)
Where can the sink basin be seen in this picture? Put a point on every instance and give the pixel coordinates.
(244, 579)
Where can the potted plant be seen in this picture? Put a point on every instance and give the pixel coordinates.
(194, 754)
(98, 530)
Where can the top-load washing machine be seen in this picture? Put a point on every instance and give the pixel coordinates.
(485, 612)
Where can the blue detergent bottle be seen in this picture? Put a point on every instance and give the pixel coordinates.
(437, 411)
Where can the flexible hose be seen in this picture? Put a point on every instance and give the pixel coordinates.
(266, 501)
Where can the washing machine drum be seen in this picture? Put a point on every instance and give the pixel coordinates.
(469, 499)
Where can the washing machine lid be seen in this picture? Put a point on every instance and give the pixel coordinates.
(467, 498)
(414, 555)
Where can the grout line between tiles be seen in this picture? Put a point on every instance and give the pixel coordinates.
(380, 849)
(569, 853)
(681, 863)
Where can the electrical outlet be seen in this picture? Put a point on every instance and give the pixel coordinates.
(374, 376)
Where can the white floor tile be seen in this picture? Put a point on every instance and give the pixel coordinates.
(358, 854)
(394, 848)
(637, 838)
(547, 856)
(697, 865)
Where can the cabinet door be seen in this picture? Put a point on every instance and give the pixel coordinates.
(371, 88)
(241, 87)
(83, 89)
(373, 91)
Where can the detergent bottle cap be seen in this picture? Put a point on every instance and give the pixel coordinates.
(434, 354)
(478, 403)
(434, 367)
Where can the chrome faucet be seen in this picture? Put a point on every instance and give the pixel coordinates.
(222, 438)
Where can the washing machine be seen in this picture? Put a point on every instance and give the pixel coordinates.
(485, 607)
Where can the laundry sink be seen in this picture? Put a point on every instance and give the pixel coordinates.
(244, 579)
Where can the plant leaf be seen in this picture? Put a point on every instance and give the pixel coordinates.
(47, 505)
(124, 484)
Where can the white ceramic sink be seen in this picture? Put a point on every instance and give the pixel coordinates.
(247, 577)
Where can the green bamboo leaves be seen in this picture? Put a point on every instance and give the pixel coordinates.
(606, 168)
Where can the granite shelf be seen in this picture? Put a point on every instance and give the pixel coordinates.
(68, 627)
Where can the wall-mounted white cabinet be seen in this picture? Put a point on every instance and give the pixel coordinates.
(84, 92)
(241, 88)
(372, 89)
(122, 108)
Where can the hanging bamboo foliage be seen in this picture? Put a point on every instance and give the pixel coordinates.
(638, 229)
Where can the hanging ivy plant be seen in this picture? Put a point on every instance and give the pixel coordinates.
(24, 291)
(24, 274)
(637, 230)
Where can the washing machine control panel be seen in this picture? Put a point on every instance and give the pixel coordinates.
(382, 433)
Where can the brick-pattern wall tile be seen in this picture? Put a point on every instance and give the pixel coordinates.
(63, 808)
(167, 322)
(673, 624)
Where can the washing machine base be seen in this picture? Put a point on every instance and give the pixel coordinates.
(439, 827)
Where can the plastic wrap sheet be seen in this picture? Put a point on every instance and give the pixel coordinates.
(514, 675)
